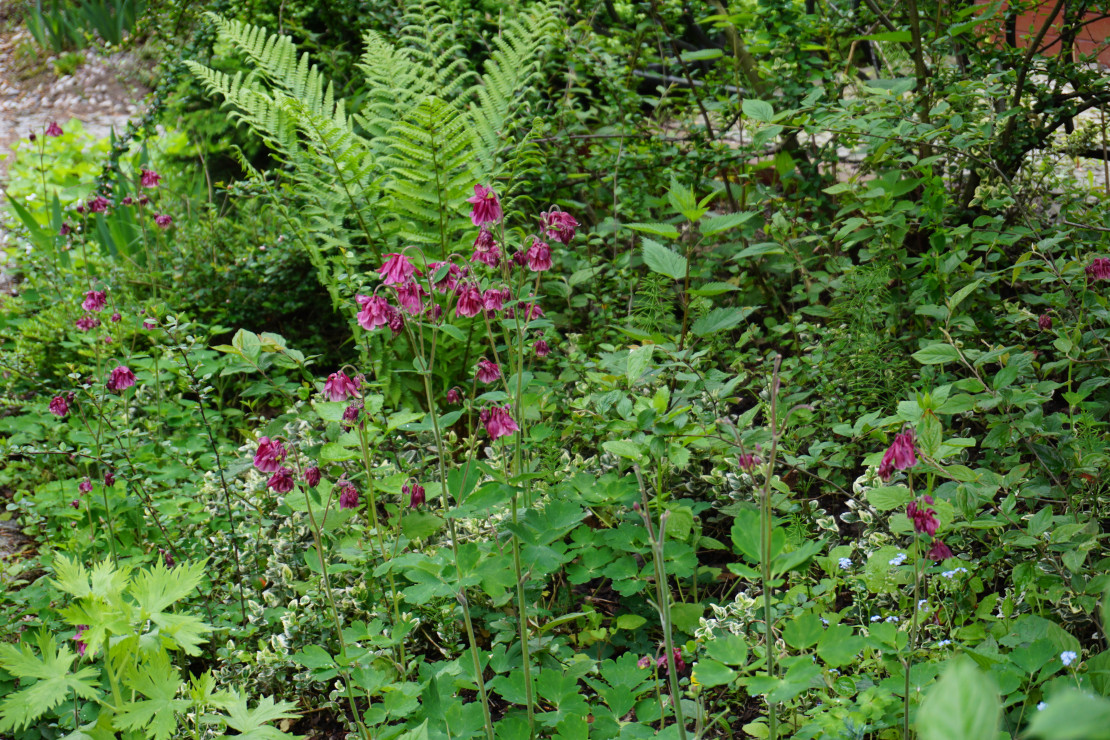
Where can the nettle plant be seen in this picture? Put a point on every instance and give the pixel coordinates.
(120, 678)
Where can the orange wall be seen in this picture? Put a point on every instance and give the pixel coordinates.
(1092, 38)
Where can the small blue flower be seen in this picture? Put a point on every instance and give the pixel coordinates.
(898, 559)
(1068, 657)
(944, 643)
(1041, 705)
(876, 618)
(845, 563)
(892, 619)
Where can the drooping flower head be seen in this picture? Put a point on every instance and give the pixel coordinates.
(448, 281)
(375, 312)
(899, 456)
(120, 378)
(281, 481)
(59, 407)
(1044, 321)
(340, 387)
(167, 558)
(541, 348)
(396, 270)
(493, 300)
(99, 204)
(497, 421)
(559, 225)
(470, 301)
(454, 396)
(164, 220)
(488, 371)
(538, 256)
(348, 494)
(351, 414)
(269, 455)
(149, 178)
(923, 518)
(115, 317)
(939, 551)
(312, 477)
(149, 324)
(88, 322)
(486, 250)
(94, 300)
(81, 628)
(85, 486)
(415, 492)
(109, 478)
(1099, 269)
(748, 461)
(54, 130)
(410, 297)
(679, 663)
(485, 207)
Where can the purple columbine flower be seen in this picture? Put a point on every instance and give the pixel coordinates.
(559, 225)
(281, 481)
(121, 377)
(85, 486)
(924, 519)
(1099, 269)
(485, 207)
(454, 396)
(59, 407)
(538, 256)
(269, 455)
(486, 250)
(163, 220)
(396, 270)
(488, 371)
(470, 301)
(900, 455)
(339, 387)
(149, 178)
(94, 300)
(88, 322)
(348, 494)
(375, 312)
(312, 477)
(410, 297)
(415, 492)
(497, 421)
(55, 130)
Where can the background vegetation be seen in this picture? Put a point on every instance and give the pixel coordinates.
(520, 369)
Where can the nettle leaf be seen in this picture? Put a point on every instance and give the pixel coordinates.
(53, 683)
(718, 224)
(720, 319)
(663, 261)
(666, 231)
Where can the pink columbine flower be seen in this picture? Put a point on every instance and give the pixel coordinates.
(415, 492)
(348, 494)
(107, 339)
(531, 311)
(939, 551)
(486, 250)
(454, 396)
(65, 230)
(81, 628)
(127, 200)
(167, 558)
(312, 477)
(924, 519)
(497, 421)
(493, 300)
(351, 414)
(1099, 269)
(115, 317)
(54, 130)
(410, 298)
(1044, 321)
(559, 225)
(99, 204)
(85, 486)
(109, 478)
(269, 455)
(488, 371)
(75, 504)
(679, 663)
(470, 301)
(163, 220)
(88, 322)
(59, 407)
(899, 456)
(644, 662)
(748, 461)
(339, 387)
(94, 300)
(150, 324)
(486, 208)
(281, 481)
(375, 312)
(539, 256)
(541, 348)
(120, 378)
(149, 178)
(396, 270)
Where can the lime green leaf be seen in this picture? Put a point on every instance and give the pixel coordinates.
(718, 224)
(964, 703)
(666, 231)
(710, 673)
(720, 319)
(936, 354)
(758, 110)
(661, 260)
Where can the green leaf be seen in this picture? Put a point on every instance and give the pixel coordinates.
(248, 344)
(899, 37)
(730, 649)
(758, 110)
(335, 452)
(718, 224)
(1072, 715)
(630, 621)
(929, 433)
(251, 723)
(962, 293)
(936, 354)
(666, 231)
(54, 681)
(623, 448)
(710, 673)
(963, 703)
(663, 261)
(886, 498)
(638, 361)
(157, 587)
(803, 631)
(420, 525)
(159, 682)
(712, 289)
(720, 319)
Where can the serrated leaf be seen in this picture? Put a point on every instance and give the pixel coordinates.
(963, 293)
(720, 319)
(638, 361)
(717, 224)
(623, 448)
(712, 289)
(159, 682)
(887, 498)
(663, 261)
(936, 354)
(710, 673)
(54, 683)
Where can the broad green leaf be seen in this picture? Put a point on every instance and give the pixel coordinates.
(1072, 715)
(929, 433)
(936, 354)
(667, 231)
(962, 293)
(758, 110)
(54, 683)
(712, 289)
(963, 703)
(729, 649)
(638, 361)
(720, 319)
(661, 260)
(886, 498)
(248, 344)
(159, 682)
(709, 673)
(624, 448)
(718, 224)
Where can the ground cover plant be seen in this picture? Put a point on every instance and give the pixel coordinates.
(565, 371)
